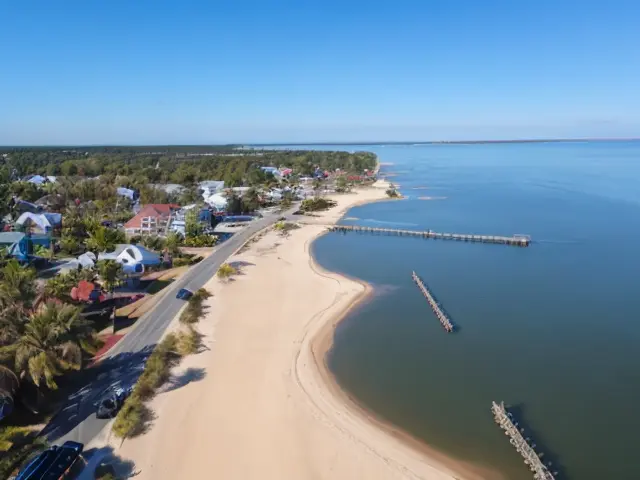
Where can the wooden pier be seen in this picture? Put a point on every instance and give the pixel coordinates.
(521, 444)
(442, 317)
(515, 240)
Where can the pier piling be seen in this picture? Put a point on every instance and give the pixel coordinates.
(437, 310)
(532, 459)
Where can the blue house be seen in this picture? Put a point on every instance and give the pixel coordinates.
(20, 245)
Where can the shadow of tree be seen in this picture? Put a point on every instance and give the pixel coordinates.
(189, 375)
(239, 266)
(89, 385)
(99, 462)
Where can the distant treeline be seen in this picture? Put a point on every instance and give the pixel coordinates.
(111, 149)
(183, 165)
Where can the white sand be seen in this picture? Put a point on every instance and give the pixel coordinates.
(267, 407)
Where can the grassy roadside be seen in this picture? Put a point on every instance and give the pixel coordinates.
(135, 416)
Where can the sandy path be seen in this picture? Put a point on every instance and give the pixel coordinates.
(261, 404)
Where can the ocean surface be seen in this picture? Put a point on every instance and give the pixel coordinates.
(552, 330)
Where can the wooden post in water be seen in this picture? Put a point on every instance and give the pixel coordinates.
(442, 318)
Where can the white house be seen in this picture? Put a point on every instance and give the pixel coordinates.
(210, 187)
(217, 201)
(45, 222)
(134, 258)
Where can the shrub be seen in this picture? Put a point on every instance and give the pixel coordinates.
(203, 293)
(168, 344)
(285, 227)
(193, 311)
(316, 204)
(145, 389)
(226, 271)
(158, 367)
(189, 341)
(201, 241)
(133, 418)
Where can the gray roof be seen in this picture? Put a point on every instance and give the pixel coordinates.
(212, 183)
(169, 187)
(11, 237)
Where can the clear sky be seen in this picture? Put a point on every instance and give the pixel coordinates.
(156, 72)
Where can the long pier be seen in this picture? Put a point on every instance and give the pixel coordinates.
(442, 317)
(510, 427)
(515, 240)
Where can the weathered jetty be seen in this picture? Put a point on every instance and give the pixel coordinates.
(521, 444)
(442, 317)
(515, 240)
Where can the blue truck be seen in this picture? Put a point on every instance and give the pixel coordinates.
(52, 464)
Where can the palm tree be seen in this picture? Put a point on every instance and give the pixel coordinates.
(17, 286)
(52, 342)
(317, 186)
(103, 239)
(8, 386)
(110, 272)
(12, 321)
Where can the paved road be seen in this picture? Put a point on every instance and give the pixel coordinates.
(125, 361)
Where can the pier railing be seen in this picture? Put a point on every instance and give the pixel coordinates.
(515, 240)
(437, 310)
(510, 427)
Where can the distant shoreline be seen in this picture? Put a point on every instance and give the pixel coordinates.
(307, 144)
(450, 142)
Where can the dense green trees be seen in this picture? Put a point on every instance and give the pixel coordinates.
(251, 200)
(341, 184)
(183, 165)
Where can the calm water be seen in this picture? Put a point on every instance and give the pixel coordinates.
(553, 329)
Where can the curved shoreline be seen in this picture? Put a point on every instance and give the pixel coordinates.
(320, 345)
(259, 396)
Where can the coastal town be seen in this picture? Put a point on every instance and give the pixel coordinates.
(96, 268)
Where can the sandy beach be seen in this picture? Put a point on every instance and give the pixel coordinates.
(259, 402)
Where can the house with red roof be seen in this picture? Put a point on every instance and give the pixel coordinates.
(153, 219)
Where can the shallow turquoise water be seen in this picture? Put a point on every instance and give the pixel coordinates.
(552, 329)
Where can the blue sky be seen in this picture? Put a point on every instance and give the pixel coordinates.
(150, 72)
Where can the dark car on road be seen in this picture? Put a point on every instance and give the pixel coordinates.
(184, 294)
(110, 403)
(54, 463)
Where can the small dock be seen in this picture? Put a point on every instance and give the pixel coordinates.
(442, 317)
(521, 444)
(515, 240)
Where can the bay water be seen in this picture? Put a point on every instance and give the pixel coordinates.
(553, 330)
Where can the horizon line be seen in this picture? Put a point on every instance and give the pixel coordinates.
(354, 142)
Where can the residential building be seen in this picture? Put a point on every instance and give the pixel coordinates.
(20, 245)
(40, 222)
(170, 188)
(210, 187)
(134, 258)
(40, 179)
(152, 219)
(273, 170)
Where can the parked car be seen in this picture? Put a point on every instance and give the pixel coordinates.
(110, 403)
(54, 462)
(184, 294)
